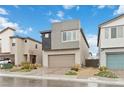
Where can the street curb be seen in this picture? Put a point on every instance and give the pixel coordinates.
(69, 78)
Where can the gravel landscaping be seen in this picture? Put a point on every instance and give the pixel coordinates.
(87, 72)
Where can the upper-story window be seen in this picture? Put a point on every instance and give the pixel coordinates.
(106, 33)
(36, 46)
(113, 32)
(69, 36)
(120, 31)
(13, 44)
(116, 32)
(25, 41)
(47, 35)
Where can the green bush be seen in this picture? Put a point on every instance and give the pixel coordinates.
(6, 66)
(28, 65)
(107, 74)
(71, 72)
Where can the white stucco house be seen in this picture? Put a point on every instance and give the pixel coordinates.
(18, 48)
(111, 43)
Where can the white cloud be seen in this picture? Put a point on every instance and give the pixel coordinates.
(4, 22)
(3, 11)
(120, 10)
(92, 40)
(77, 7)
(30, 29)
(101, 6)
(16, 6)
(70, 7)
(60, 14)
(105, 6)
(54, 20)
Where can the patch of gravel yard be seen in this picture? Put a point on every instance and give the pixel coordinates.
(87, 72)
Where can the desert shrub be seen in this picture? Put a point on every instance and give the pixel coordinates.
(28, 65)
(71, 72)
(107, 74)
(76, 67)
(103, 68)
(25, 65)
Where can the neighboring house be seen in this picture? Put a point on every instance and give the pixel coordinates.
(19, 49)
(111, 43)
(64, 45)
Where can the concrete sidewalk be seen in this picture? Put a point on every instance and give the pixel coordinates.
(70, 78)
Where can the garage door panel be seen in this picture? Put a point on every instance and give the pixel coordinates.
(115, 61)
(61, 60)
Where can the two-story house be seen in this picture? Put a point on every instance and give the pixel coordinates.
(19, 49)
(111, 43)
(64, 45)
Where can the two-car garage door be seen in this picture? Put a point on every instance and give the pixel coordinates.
(115, 61)
(62, 60)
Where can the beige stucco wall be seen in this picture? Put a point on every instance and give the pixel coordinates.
(19, 51)
(27, 48)
(5, 40)
(56, 34)
(46, 53)
(84, 50)
(30, 49)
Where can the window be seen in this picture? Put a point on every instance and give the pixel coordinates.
(120, 31)
(47, 35)
(106, 33)
(25, 41)
(36, 46)
(13, 44)
(69, 35)
(113, 32)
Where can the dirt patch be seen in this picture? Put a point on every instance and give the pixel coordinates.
(119, 73)
(87, 72)
(56, 71)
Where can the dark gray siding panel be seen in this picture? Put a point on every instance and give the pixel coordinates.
(46, 42)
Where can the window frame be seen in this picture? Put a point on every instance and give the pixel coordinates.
(115, 32)
(13, 44)
(72, 34)
(46, 35)
(107, 30)
(36, 46)
(122, 33)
